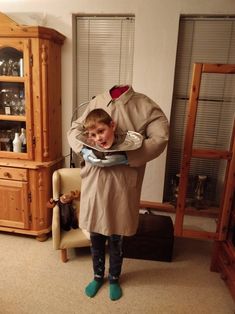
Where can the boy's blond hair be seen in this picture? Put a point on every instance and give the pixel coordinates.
(96, 116)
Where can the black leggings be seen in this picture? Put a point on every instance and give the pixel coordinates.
(98, 256)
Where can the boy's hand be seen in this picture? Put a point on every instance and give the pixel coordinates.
(87, 153)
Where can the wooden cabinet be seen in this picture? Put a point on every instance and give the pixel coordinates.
(30, 100)
(223, 258)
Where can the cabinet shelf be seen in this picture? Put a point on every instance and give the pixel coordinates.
(12, 118)
(12, 79)
(6, 154)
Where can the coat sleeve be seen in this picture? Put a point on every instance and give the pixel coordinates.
(156, 138)
(76, 129)
(72, 133)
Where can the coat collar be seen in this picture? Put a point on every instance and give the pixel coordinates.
(124, 98)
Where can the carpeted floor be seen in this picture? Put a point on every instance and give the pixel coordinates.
(34, 280)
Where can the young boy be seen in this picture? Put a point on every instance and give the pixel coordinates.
(100, 131)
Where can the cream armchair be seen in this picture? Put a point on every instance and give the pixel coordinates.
(65, 180)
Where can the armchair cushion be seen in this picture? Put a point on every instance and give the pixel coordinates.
(73, 238)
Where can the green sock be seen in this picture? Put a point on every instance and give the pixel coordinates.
(115, 291)
(93, 288)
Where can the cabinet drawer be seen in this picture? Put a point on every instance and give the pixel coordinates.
(17, 174)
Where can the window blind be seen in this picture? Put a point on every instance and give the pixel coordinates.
(104, 54)
(205, 40)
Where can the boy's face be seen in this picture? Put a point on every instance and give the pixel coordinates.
(102, 134)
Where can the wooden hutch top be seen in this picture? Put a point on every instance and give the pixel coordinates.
(10, 28)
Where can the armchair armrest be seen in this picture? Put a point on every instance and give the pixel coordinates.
(56, 232)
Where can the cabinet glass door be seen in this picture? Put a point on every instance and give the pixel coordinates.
(15, 98)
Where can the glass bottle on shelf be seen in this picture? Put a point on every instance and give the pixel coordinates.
(6, 101)
(1, 66)
(15, 68)
(4, 68)
(23, 141)
(7, 108)
(15, 104)
(10, 67)
(9, 144)
(17, 143)
(21, 103)
(21, 67)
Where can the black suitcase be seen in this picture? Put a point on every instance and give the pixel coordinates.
(154, 239)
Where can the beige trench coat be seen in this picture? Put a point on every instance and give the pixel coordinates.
(110, 196)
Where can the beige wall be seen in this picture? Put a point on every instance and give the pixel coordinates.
(155, 50)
